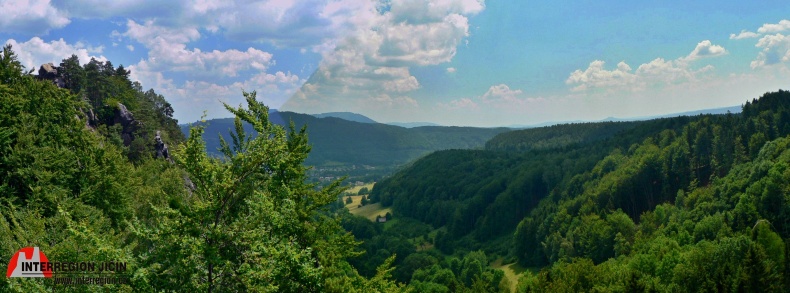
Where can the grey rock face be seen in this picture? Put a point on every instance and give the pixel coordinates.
(50, 72)
(161, 147)
(126, 119)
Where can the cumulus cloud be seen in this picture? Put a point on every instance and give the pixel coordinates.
(450, 69)
(305, 23)
(498, 97)
(654, 73)
(420, 11)
(595, 76)
(273, 89)
(770, 28)
(744, 34)
(775, 45)
(706, 49)
(375, 58)
(35, 52)
(168, 52)
(459, 104)
(30, 17)
(151, 35)
(500, 92)
(122, 8)
(775, 50)
(195, 62)
(387, 102)
(286, 23)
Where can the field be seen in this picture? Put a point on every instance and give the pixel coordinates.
(355, 189)
(369, 211)
(512, 272)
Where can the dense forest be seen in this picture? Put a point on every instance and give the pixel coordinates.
(682, 204)
(94, 168)
(83, 176)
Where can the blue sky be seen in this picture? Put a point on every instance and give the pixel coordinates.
(452, 62)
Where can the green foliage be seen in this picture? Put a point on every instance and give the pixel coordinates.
(659, 206)
(556, 136)
(252, 224)
(247, 222)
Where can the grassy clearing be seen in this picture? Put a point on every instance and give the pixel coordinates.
(369, 211)
(512, 272)
(355, 189)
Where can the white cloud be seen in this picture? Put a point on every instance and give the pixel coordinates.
(450, 69)
(122, 8)
(291, 23)
(168, 52)
(403, 44)
(595, 76)
(421, 11)
(151, 34)
(501, 93)
(130, 47)
(744, 34)
(459, 104)
(211, 76)
(287, 23)
(35, 52)
(658, 72)
(775, 50)
(706, 49)
(775, 46)
(387, 102)
(30, 17)
(375, 58)
(273, 89)
(770, 28)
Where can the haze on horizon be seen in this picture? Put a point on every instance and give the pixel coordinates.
(462, 62)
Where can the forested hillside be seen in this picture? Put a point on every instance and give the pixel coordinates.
(676, 204)
(682, 204)
(339, 141)
(98, 188)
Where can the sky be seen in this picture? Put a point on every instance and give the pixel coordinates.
(451, 62)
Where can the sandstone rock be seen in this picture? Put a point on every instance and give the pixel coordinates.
(128, 124)
(50, 72)
(161, 147)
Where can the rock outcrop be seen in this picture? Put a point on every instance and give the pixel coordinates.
(50, 72)
(128, 123)
(161, 147)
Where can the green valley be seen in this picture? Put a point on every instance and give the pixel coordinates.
(94, 168)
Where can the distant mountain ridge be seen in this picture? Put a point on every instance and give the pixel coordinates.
(350, 116)
(723, 110)
(413, 124)
(340, 141)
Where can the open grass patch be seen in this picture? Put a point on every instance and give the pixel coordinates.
(512, 272)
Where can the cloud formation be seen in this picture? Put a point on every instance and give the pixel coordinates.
(744, 34)
(775, 50)
(35, 52)
(498, 97)
(30, 17)
(375, 59)
(775, 46)
(770, 28)
(657, 72)
(706, 49)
